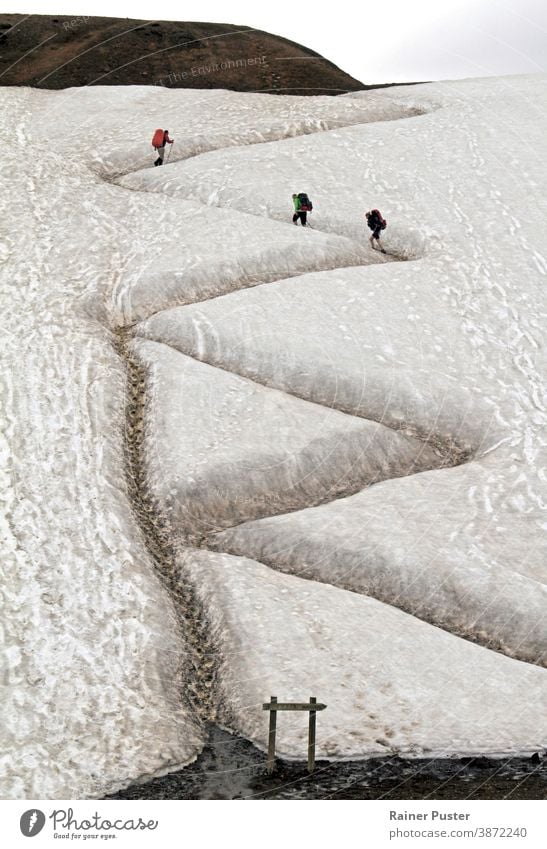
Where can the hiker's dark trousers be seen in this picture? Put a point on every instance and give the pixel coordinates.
(302, 215)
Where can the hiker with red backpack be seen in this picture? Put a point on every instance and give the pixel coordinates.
(376, 224)
(160, 139)
(302, 205)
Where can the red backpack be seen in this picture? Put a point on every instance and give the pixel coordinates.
(157, 139)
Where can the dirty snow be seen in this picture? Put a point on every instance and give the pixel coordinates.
(447, 349)
(392, 684)
(247, 451)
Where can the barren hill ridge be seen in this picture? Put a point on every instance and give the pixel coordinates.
(60, 52)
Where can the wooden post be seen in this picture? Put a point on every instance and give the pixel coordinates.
(273, 706)
(271, 737)
(311, 737)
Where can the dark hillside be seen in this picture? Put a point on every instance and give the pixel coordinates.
(60, 52)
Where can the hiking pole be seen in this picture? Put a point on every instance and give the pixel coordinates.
(169, 154)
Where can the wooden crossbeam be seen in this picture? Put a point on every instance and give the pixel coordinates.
(292, 706)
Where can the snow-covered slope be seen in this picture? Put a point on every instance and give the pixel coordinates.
(448, 347)
(438, 362)
(391, 682)
(249, 451)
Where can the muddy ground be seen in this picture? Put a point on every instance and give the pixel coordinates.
(232, 768)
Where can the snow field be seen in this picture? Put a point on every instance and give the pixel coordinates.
(92, 652)
(392, 684)
(448, 348)
(221, 449)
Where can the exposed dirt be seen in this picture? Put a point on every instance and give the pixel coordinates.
(56, 52)
(232, 768)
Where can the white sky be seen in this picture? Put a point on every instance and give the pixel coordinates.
(389, 41)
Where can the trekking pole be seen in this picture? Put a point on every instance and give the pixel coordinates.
(169, 154)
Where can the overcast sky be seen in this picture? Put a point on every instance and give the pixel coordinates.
(389, 41)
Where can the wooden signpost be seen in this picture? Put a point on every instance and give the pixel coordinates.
(273, 706)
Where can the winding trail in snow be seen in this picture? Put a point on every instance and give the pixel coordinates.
(162, 543)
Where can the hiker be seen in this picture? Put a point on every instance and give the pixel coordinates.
(161, 138)
(302, 205)
(376, 224)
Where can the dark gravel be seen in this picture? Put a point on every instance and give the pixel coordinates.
(232, 768)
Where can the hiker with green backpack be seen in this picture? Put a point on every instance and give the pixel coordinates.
(302, 205)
